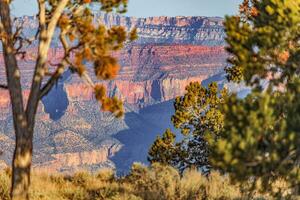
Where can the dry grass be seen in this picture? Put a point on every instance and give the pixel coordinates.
(143, 183)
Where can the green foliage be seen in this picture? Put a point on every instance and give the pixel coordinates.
(198, 110)
(164, 148)
(256, 141)
(197, 114)
(260, 141)
(266, 44)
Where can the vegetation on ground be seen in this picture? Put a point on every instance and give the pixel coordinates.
(157, 182)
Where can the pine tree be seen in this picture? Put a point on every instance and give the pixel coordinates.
(164, 149)
(261, 135)
(197, 114)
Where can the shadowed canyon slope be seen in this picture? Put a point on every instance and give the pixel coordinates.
(71, 133)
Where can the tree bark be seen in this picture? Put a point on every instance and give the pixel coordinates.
(23, 148)
(21, 169)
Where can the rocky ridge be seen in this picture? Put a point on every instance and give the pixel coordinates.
(163, 30)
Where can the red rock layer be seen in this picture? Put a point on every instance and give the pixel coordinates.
(149, 72)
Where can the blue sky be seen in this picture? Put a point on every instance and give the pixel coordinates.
(145, 8)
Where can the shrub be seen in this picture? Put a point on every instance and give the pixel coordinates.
(4, 184)
(156, 182)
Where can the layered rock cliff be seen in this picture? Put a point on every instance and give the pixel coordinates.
(162, 30)
(150, 73)
(71, 133)
(187, 30)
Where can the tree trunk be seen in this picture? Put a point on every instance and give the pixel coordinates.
(23, 148)
(21, 169)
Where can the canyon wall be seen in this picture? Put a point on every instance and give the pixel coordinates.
(163, 30)
(150, 73)
(183, 30)
(72, 134)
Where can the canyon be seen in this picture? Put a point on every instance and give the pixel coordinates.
(71, 132)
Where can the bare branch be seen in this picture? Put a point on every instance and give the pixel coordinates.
(21, 43)
(42, 13)
(46, 34)
(60, 67)
(18, 31)
(20, 40)
(54, 20)
(33, 99)
(42, 23)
